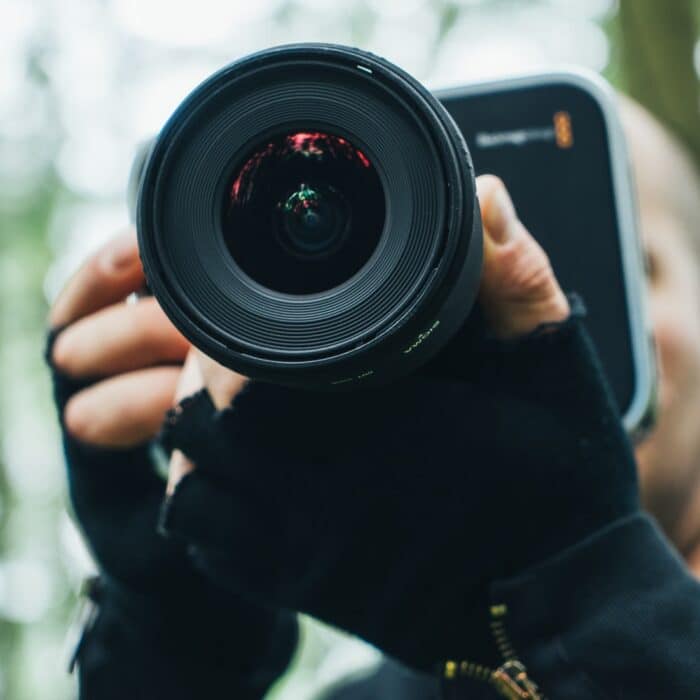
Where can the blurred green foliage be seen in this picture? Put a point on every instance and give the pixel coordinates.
(655, 52)
(653, 55)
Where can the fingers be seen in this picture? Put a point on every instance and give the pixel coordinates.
(105, 338)
(518, 289)
(122, 411)
(119, 338)
(110, 275)
(207, 515)
(223, 384)
(190, 381)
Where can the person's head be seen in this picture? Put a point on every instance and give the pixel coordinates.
(668, 190)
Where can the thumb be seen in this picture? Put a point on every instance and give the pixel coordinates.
(518, 288)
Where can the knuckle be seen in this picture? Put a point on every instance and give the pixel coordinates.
(94, 271)
(538, 282)
(526, 271)
(535, 276)
(508, 256)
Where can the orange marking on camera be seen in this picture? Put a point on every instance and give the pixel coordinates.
(563, 130)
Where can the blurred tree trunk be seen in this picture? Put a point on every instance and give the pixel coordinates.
(656, 47)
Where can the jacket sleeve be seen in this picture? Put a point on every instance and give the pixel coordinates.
(616, 616)
(178, 636)
(155, 627)
(135, 649)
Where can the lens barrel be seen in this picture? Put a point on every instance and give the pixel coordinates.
(308, 216)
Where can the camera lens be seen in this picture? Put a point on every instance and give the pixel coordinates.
(304, 212)
(308, 216)
(314, 220)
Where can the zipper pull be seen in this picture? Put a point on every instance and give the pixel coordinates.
(512, 682)
(510, 679)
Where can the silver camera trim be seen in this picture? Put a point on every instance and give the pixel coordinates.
(641, 412)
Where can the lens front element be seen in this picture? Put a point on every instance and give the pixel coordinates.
(315, 220)
(304, 212)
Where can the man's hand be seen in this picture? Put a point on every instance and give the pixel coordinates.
(518, 288)
(518, 293)
(132, 349)
(390, 511)
(115, 367)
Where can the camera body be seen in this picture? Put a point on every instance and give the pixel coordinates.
(557, 142)
(308, 216)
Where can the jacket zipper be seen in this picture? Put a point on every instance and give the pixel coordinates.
(510, 679)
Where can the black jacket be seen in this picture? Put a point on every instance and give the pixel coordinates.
(635, 634)
(616, 615)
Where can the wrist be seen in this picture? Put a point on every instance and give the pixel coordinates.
(581, 620)
(204, 627)
(141, 647)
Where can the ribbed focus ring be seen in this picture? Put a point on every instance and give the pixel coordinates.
(189, 228)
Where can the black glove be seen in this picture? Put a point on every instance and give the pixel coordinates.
(388, 512)
(162, 631)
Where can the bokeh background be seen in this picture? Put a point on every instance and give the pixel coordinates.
(82, 82)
